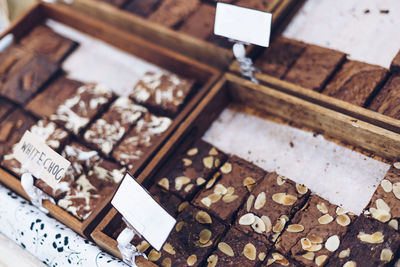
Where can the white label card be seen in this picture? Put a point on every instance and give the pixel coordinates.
(40, 160)
(243, 24)
(144, 214)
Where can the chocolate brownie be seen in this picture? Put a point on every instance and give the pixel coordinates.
(77, 111)
(367, 243)
(270, 206)
(172, 12)
(314, 67)
(238, 249)
(5, 108)
(165, 93)
(12, 59)
(142, 8)
(315, 232)
(201, 23)
(395, 66)
(170, 202)
(191, 169)
(44, 41)
(193, 238)
(387, 101)
(46, 102)
(139, 141)
(385, 202)
(355, 82)
(276, 259)
(280, 56)
(225, 196)
(262, 5)
(112, 126)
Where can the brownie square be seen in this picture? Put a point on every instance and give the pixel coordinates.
(238, 249)
(170, 202)
(172, 12)
(315, 232)
(44, 41)
(224, 197)
(193, 238)
(276, 259)
(77, 111)
(5, 108)
(395, 66)
(387, 101)
(191, 169)
(280, 56)
(46, 102)
(385, 202)
(112, 126)
(142, 8)
(367, 243)
(355, 82)
(12, 59)
(163, 93)
(270, 206)
(141, 139)
(314, 67)
(201, 23)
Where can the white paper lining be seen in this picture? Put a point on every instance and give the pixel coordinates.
(338, 174)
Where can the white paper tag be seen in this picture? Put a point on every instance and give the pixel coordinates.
(40, 160)
(142, 212)
(243, 24)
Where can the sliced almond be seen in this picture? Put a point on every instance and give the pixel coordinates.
(381, 205)
(187, 162)
(374, 238)
(217, 162)
(332, 243)
(279, 225)
(250, 183)
(295, 228)
(325, 219)
(192, 152)
(209, 243)
(284, 199)
(280, 259)
(211, 182)
(181, 181)
(164, 183)
(380, 215)
(394, 224)
(212, 261)
(267, 222)
(386, 255)
(275, 237)
(191, 260)
(258, 225)
(179, 226)
(309, 256)
(305, 243)
(230, 190)
(213, 152)
(396, 190)
(280, 180)
(203, 217)
(261, 256)
(250, 252)
(343, 220)
(206, 201)
(314, 248)
(315, 239)
(386, 185)
(344, 253)
(208, 162)
(226, 249)
(188, 188)
(322, 207)
(301, 189)
(220, 189)
(226, 168)
(350, 264)
(229, 198)
(247, 219)
(249, 202)
(154, 255)
(340, 211)
(183, 206)
(260, 201)
(200, 181)
(286, 218)
(214, 197)
(205, 236)
(320, 260)
(167, 262)
(169, 248)
(396, 165)
(143, 246)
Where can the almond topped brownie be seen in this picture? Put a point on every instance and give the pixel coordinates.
(270, 206)
(224, 196)
(315, 232)
(387, 101)
(276, 259)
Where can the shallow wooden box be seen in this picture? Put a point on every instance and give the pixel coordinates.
(195, 48)
(204, 75)
(360, 135)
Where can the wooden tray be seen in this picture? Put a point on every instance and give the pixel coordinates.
(206, 76)
(359, 135)
(196, 48)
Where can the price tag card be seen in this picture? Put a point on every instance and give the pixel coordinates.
(243, 24)
(142, 212)
(40, 160)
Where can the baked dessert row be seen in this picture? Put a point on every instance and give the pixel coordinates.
(329, 72)
(230, 212)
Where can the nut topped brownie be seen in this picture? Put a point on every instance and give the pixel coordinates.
(77, 111)
(355, 82)
(142, 8)
(385, 202)
(270, 206)
(225, 196)
(201, 23)
(314, 67)
(238, 249)
(395, 66)
(315, 232)
(164, 93)
(193, 238)
(137, 143)
(276, 259)
(367, 243)
(280, 56)
(387, 101)
(191, 169)
(172, 12)
(12, 59)
(105, 132)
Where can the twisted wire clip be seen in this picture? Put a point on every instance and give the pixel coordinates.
(35, 194)
(128, 251)
(245, 63)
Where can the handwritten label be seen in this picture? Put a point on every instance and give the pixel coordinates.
(243, 24)
(40, 160)
(142, 212)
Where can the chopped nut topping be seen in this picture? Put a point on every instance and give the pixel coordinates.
(295, 228)
(203, 217)
(226, 249)
(220, 189)
(386, 255)
(154, 255)
(258, 225)
(340, 211)
(309, 256)
(387, 185)
(214, 197)
(280, 180)
(394, 224)
(249, 182)
(200, 181)
(192, 152)
(164, 183)
(380, 214)
(250, 251)
(374, 238)
(229, 198)
(212, 261)
(381, 205)
(315, 239)
(212, 180)
(284, 199)
(396, 165)
(350, 264)
(343, 220)
(188, 188)
(262, 256)
(180, 182)
(166, 262)
(169, 248)
(183, 206)
(205, 236)
(332, 243)
(396, 190)
(320, 260)
(247, 219)
(143, 246)
(267, 222)
(301, 189)
(279, 225)
(187, 162)
(322, 207)
(249, 202)
(213, 152)
(208, 162)
(179, 226)
(344, 253)
(260, 201)
(226, 168)
(191, 260)
(325, 219)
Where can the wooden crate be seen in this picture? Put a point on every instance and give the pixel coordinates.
(196, 48)
(345, 129)
(206, 76)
